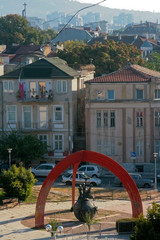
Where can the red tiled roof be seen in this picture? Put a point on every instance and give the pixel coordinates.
(131, 73)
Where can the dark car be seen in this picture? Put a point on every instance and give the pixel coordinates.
(4, 166)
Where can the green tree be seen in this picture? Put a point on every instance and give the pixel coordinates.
(15, 29)
(107, 57)
(153, 62)
(18, 182)
(24, 147)
(48, 34)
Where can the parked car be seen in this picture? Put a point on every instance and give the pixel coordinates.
(139, 181)
(43, 169)
(90, 170)
(4, 166)
(80, 179)
(158, 177)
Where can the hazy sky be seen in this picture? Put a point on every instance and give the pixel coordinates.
(142, 5)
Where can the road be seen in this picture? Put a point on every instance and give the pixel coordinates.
(106, 182)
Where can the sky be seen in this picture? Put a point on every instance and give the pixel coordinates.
(142, 5)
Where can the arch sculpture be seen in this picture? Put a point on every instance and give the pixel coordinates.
(75, 159)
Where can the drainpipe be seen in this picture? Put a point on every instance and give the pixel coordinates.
(69, 136)
(2, 114)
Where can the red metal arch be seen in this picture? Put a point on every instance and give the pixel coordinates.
(75, 159)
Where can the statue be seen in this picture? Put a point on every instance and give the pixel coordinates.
(84, 206)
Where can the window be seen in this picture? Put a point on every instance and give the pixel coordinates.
(112, 148)
(139, 168)
(98, 119)
(33, 89)
(112, 119)
(27, 117)
(58, 114)
(108, 119)
(58, 141)
(110, 94)
(82, 169)
(139, 119)
(100, 95)
(157, 119)
(42, 89)
(139, 148)
(109, 147)
(43, 116)
(8, 86)
(61, 86)
(157, 147)
(99, 146)
(139, 94)
(105, 119)
(157, 93)
(11, 114)
(43, 138)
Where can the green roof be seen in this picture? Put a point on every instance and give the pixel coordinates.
(43, 68)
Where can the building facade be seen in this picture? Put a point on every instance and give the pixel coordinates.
(41, 99)
(122, 114)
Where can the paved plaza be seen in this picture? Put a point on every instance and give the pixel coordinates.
(11, 226)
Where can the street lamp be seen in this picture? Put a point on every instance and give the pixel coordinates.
(155, 169)
(9, 152)
(54, 233)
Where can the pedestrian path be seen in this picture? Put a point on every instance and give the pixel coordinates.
(11, 227)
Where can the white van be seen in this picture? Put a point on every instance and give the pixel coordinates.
(90, 170)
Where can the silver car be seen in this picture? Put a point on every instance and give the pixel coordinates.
(90, 170)
(139, 181)
(43, 169)
(80, 179)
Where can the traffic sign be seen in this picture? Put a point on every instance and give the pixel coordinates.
(133, 155)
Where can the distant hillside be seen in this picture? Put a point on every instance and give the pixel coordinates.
(40, 8)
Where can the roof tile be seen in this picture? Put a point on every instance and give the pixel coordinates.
(131, 73)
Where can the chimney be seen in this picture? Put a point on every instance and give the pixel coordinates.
(46, 50)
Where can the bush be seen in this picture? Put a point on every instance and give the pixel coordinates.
(148, 228)
(153, 215)
(18, 182)
(143, 230)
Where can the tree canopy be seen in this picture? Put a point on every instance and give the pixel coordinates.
(24, 147)
(153, 61)
(15, 29)
(107, 57)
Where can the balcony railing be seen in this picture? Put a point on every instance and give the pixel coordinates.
(33, 96)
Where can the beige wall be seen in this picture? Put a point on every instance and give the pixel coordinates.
(53, 128)
(125, 134)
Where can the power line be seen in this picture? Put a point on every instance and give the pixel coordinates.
(93, 5)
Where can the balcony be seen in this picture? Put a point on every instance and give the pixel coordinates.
(34, 96)
(36, 126)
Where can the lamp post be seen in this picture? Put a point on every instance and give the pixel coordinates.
(155, 169)
(54, 233)
(9, 152)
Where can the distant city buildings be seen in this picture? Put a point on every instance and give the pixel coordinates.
(36, 22)
(122, 20)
